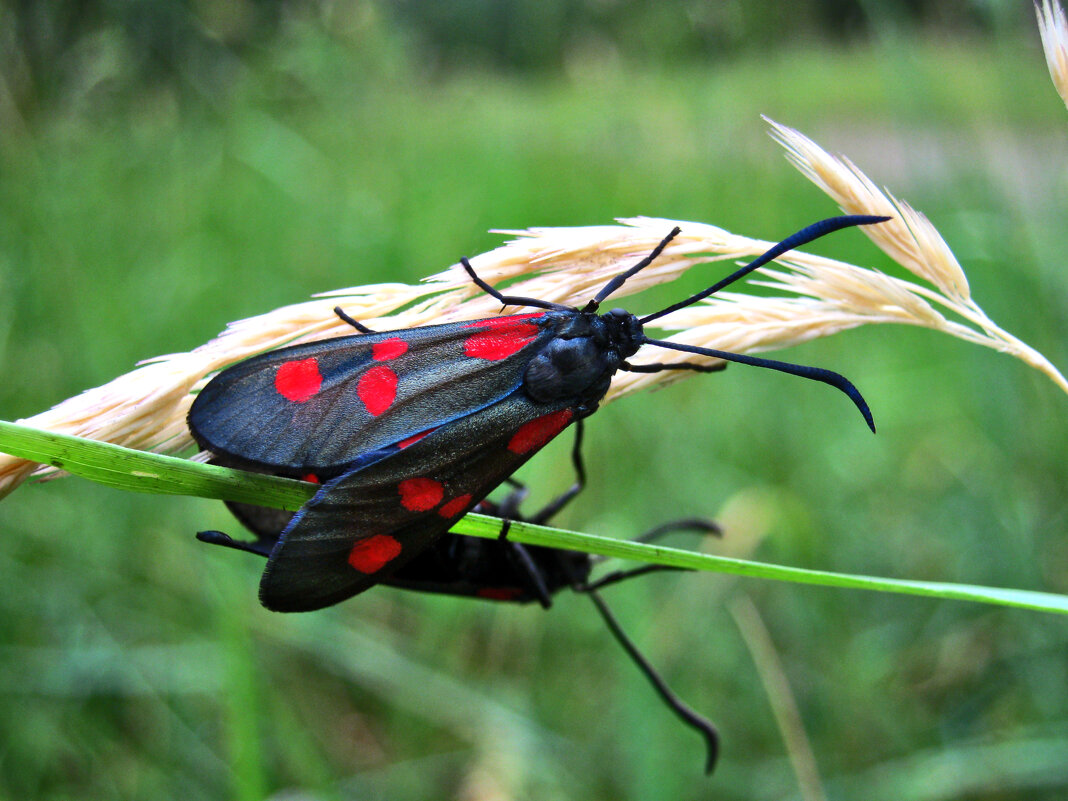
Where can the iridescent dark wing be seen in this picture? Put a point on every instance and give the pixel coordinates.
(367, 523)
(336, 404)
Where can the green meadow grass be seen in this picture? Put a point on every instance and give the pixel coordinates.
(136, 662)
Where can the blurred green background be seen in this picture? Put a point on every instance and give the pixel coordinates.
(168, 167)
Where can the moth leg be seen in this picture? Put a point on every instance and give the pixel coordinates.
(688, 716)
(657, 367)
(363, 329)
(510, 300)
(695, 721)
(519, 554)
(257, 547)
(506, 526)
(620, 279)
(699, 524)
(508, 509)
(617, 576)
(565, 498)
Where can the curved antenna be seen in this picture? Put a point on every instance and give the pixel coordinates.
(804, 236)
(815, 373)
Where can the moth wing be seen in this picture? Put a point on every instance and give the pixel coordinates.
(333, 405)
(363, 526)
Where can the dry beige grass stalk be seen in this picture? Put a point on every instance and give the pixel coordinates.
(1054, 30)
(146, 408)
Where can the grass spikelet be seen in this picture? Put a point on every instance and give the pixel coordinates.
(146, 409)
(908, 238)
(1054, 30)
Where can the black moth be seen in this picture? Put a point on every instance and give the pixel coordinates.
(502, 570)
(408, 430)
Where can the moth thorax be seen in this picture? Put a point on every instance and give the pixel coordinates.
(576, 369)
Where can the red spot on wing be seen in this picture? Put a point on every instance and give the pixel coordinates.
(455, 506)
(298, 381)
(420, 494)
(372, 554)
(537, 432)
(501, 337)
(377, 389)
(503, 322)
(414, 438)
(311, 478)
(500, 343)
(499, 593)
(389, 349)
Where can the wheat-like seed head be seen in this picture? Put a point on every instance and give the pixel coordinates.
(1054, 30)
(908, 238)
(147, 408)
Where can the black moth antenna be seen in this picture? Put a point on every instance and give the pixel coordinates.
(804, 236)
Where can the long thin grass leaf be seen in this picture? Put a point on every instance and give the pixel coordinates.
(149, 472)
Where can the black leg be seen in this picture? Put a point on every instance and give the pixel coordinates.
(688, 716)
(510, 300)
(506, 526)
(616, 576)
(257, 547)
(563, 500)
(536, 586)
(697, 524)
(658, 367)
(517, 552)
(363, 329)
(508, 509)
(618, 281)
(704, 727)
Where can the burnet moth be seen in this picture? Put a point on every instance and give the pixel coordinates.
(408, 430)
(506, 571)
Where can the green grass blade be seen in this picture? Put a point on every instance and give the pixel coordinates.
(690, 560)
(140, 471)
